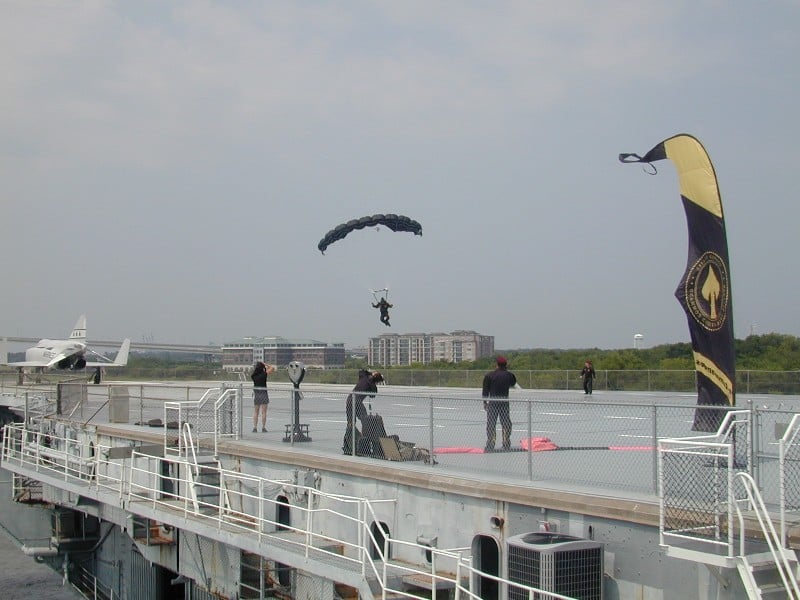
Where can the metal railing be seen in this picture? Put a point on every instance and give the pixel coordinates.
(216, 415)
(707, 490)
(789, 469)
(696, 489)
(609, 445)
(449, 568)
(90, 586)
(785, 565)
(335, 526)
(695, 475)
(748, 381)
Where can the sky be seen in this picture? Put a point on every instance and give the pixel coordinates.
(168, 168)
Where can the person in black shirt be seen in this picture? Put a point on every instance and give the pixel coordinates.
(588, 375)
(260, 395)
(495, 392)
(366, 386)
(384, 307)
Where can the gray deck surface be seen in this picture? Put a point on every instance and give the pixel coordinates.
(606, 439)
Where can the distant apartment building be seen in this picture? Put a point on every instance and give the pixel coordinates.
(242, 354)
(392, 349)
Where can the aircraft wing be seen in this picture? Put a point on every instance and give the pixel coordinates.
(40, 363)
(119, 361)
(27, 363)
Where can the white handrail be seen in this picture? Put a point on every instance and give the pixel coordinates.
(195, 413)
(225, 397)
(143, 485)
(188, 440)
(768, 529)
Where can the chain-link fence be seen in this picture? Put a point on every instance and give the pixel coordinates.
(748, 381)
(650, 380)
(608, 445)
(553, 439)
(696, 484)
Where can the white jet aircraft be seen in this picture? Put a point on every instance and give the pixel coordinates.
(69, 354)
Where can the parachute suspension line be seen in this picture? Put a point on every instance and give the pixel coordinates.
(384, 294)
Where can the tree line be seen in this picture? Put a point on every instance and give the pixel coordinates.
(767, 352)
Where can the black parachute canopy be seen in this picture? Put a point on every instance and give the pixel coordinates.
(393, 222)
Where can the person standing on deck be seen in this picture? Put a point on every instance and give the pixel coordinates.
(260, 395)
(495, 393)
(588, 375)
(366, 386)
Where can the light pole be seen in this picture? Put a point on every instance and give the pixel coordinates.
(637, 338)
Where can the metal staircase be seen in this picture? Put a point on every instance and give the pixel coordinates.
(771, 574)
(713, 513)
(761, 576)
(206, 483)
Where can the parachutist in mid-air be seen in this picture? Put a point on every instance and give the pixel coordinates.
(384, 307)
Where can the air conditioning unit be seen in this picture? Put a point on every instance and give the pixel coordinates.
(557, 563)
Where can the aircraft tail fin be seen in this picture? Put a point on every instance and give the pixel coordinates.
(79, 331)
(122, 356)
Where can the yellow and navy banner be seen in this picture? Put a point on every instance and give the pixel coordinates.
(704, 291)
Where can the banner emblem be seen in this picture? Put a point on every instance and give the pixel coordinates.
(707, 291)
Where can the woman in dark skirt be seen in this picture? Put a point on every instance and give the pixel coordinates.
(260, 395)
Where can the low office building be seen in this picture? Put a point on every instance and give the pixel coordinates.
(242, 354)
(391, 349)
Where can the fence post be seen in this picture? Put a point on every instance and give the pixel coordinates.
(752, 454)
(430, 429)
(530, 440)
(240, 411)
(353, 440)
(260, 527)
(108, 402)
(655, 448)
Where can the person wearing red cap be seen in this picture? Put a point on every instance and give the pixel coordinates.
(495, 392)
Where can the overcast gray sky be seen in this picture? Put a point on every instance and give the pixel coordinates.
(168, 168)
